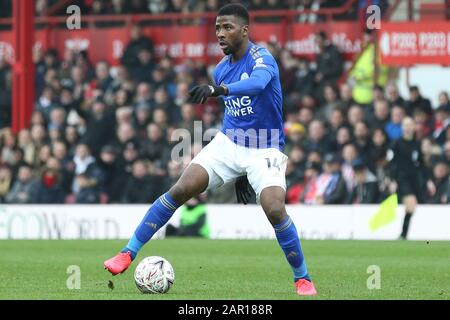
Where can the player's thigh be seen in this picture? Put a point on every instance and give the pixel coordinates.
(218, 159)
(266, 168)
(192, 182)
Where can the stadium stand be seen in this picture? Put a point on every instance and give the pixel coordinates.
(102, 134)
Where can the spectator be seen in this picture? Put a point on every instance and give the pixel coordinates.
(444, 100)
(304, 78)
(337, 120)
(343, 137)
(362, 140)
(393, 96)
(331, 187)
(379, 145)
(112, 174)
(329, 63)
(24, 188)
(365, 190)
(312, 172)
(394, 127)
(99, 125)
(346, 94)
(442, 183)
(380, 116)
(446, 150)
(349, 155)
(141, 187)
(416, 101)
(331, 102)
(155, 146)
(296, 135)
(84, 164)
(6, 180)
(355, 114)
(49, 188)
(363, 72)
(138, 41)
(318, 138)
(87, 192)
(441, 123)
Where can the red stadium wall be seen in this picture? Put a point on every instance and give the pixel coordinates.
(195, 42)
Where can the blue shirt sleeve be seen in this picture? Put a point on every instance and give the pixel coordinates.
(263, 70)
(252, 86)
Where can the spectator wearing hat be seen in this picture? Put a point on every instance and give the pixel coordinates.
(365, 189)
(330, 186)
(296, 135)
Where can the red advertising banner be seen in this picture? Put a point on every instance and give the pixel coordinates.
(185, 41)
(403, 44)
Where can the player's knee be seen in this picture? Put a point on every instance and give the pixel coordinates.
(275, 212)
(180, 193)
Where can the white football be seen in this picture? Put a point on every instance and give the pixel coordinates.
(154, 275)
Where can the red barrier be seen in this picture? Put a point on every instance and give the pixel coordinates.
(197, 42)
(403, 44)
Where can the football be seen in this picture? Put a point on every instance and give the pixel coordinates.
(154, 275)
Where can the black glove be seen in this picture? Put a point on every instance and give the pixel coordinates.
(199, 94)
(243, 189)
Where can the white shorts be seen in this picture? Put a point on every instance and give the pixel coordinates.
(225, 161)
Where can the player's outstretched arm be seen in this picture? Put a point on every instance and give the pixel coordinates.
(252, 86)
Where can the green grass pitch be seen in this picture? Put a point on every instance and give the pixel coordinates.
(229, 269)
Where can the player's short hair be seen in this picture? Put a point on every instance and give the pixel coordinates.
(235, 9)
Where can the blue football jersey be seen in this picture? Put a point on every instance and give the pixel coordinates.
(252, 121)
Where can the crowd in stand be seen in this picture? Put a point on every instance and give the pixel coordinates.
(113, 7)
(103, 134)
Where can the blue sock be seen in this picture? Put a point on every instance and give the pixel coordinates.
(157, 216)
(289, 241)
